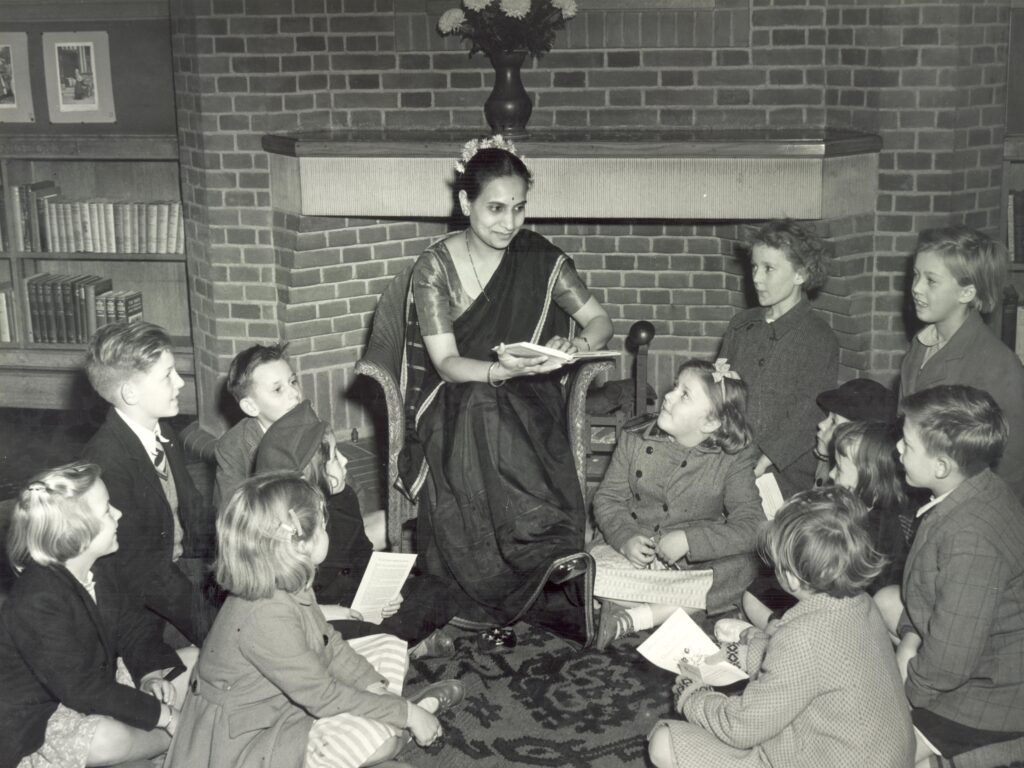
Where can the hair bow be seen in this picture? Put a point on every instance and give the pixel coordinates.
(723, 372)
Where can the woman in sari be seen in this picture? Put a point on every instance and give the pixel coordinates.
(506, 517)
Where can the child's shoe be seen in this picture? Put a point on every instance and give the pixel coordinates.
(615, 623)
(437, 645)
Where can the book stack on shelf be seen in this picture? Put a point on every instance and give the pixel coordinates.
(67, 309)
(40, 220)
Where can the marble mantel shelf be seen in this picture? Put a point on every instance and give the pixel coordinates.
(579, 175)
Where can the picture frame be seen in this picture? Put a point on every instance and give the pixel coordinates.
(15, 83)
(78, 82)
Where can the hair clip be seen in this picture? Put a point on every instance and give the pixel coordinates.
(471, 147)
(723, 372)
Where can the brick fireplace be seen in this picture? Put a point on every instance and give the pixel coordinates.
(927, 77)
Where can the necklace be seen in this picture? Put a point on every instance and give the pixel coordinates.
(472, 263)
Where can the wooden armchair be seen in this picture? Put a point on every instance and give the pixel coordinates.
(383, 363)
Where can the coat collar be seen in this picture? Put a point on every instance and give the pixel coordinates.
(788, 322)
(136, 452)
(653, 432)
(60, 573)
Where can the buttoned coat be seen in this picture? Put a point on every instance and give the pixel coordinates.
(785, 364)
(235, 452)
(146, 528)
(963, 593)
(57, 646)
(654, 485)
(976, 357)
(268, 668)
(826, 692)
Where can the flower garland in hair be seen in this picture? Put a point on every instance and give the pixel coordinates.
(471, 147)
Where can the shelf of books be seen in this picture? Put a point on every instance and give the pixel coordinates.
(91, 232)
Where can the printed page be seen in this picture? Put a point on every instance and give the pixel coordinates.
(678, 639)
(382, 582)
(771, 495)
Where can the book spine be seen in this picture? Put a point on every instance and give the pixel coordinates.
(100, 310)
(140, 224)
(120, 225)
(163, 216)
(90, 235)
(63, 233)
(32, 295)
(77, 216)
(152, 216)
(17, 234)
(173, 222)
(132, 306)
(1019, 341)
(5, 323)
(47, 310)
(1018, 225)
(32, 218)
(110, 237)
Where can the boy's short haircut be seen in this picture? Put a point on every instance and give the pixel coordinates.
(973, 258)
(961, 422)
(802, 246)
(49, 524)
(245, 363)
(818, 536)
(119, 350)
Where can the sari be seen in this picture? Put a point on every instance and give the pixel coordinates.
(504, 497)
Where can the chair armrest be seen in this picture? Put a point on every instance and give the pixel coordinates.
(399, 509)
(576, 409)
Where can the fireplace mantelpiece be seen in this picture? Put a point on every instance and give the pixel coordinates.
(581, 175)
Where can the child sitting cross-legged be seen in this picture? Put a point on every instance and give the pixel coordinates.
(300, 442)
(85, 674)
(824, 688)
(961, 647)
(275, 684)
(679, 495)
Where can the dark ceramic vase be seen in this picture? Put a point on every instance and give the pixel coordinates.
(509, 107)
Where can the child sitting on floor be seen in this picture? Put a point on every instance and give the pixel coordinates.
(962, 628)
(679, 495)
(275, 684)
(68, 700)
(299, 442)
(265, 386)
(824, 687)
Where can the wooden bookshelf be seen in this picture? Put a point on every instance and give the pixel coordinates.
(113, 169)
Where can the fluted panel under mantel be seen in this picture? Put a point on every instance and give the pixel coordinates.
(722, 176)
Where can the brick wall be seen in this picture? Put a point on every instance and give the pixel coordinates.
(928, 76)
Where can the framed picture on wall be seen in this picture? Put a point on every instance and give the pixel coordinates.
(15, 88)
(78, 84)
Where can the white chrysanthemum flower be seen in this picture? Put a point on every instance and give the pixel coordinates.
(516, 9)
(471, 147)
(476, 5)
(450, 21)
(567, 7)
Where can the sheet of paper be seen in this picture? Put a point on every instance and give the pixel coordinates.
(680, 638)
(771, 495)
(382, 582)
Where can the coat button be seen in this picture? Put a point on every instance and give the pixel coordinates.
(639, 473)
(664, 507)
(760, 362)
(633, 515)
(637, 497)
(683, 464)
(650, 450)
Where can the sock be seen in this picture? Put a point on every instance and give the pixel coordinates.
(642, 616)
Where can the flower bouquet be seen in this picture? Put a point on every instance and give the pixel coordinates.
(504, 26)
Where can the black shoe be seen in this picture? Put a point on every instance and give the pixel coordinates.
(569, 569)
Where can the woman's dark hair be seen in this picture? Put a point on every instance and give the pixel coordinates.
(487, 165)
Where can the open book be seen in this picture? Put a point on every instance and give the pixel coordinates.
(529, 349)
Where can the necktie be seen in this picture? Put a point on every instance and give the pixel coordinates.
(160, 462)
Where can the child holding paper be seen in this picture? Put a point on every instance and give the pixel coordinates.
(824, 688)
(299, 442)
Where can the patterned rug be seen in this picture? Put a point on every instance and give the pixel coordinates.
(542, 703)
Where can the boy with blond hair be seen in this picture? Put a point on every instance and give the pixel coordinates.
(961, 648)
(165, 522)
(266, 388)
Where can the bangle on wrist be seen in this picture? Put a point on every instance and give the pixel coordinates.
(490, 380)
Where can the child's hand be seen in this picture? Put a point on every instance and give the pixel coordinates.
(426, 728)
(380, 688)
(639, 550)
(391, 608)
(159, 688)
(762, 466)
(672, 547)
(906, 651)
